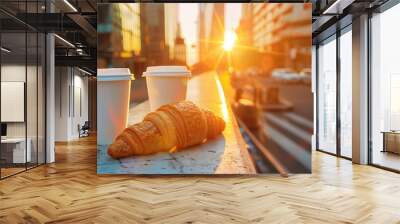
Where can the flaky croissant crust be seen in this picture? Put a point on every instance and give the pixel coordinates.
(172, 126)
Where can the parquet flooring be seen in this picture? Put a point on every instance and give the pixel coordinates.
(69, 191)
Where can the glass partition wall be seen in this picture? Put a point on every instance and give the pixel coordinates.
(334, 85)
(22, 77)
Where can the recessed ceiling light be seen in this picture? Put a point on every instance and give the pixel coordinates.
(70, 5)
(84, 71)
(5, 50)
(338, 6)
(65, 41)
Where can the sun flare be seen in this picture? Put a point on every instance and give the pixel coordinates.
(229, 41)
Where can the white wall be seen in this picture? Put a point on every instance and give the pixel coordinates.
(13, 73)
(62, 82)
(33, 127)
(79, 117)
(70, 84)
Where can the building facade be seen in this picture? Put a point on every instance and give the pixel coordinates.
(280, 31)
(119, 36)
(180, 48)
(211, 30)
(171, 14)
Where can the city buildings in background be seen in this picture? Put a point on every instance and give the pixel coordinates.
(171, 15)
(278, 34)
(269, 37)
(211, 31)
(137, 35)
(179, 48)
(154, 33)
(119, 36)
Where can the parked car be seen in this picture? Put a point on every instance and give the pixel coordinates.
(305, 72)
(286, 74)
(253, 71)
(248, 112)
(245, 106)
(305, 75)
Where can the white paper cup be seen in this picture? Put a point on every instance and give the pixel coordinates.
(113, 92)
(166, 84)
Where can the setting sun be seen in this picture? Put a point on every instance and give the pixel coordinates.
(229, 41)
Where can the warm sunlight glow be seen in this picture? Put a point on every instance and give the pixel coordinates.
(229, 41)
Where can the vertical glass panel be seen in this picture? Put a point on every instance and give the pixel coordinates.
(32, 86)
(13, 87)
(346, 94)
(32, 98)
(41, 98)
(385, 89)
(327, 96)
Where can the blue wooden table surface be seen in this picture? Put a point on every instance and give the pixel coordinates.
(226, 154)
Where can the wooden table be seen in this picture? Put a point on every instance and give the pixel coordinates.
(391, 141)
(226, 154)
(14, 150)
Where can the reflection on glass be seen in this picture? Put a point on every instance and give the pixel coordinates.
(346, 94)
(14, 146)
(22, 90)
(327, 97)
(385, 84)
(31, 100)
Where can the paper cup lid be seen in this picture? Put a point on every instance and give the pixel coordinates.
(114, 74)
(167, 71)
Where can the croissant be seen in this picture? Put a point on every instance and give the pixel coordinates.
(171, 127)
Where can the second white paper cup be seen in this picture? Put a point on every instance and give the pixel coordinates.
(113, 93)
(166, 84)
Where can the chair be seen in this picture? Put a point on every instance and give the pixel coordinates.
(84, 130)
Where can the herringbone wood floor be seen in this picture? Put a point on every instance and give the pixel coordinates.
(69, 191)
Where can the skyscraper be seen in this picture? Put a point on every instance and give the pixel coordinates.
(119, 36)
(179, 48)
(171, 14)
(282, 32)
(159, 26)
(153, 33)
(211, 29)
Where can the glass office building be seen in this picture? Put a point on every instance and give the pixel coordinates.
(357, 83)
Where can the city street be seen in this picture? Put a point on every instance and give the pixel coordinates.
(285, 133)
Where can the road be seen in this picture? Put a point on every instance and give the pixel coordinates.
(287, 134)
